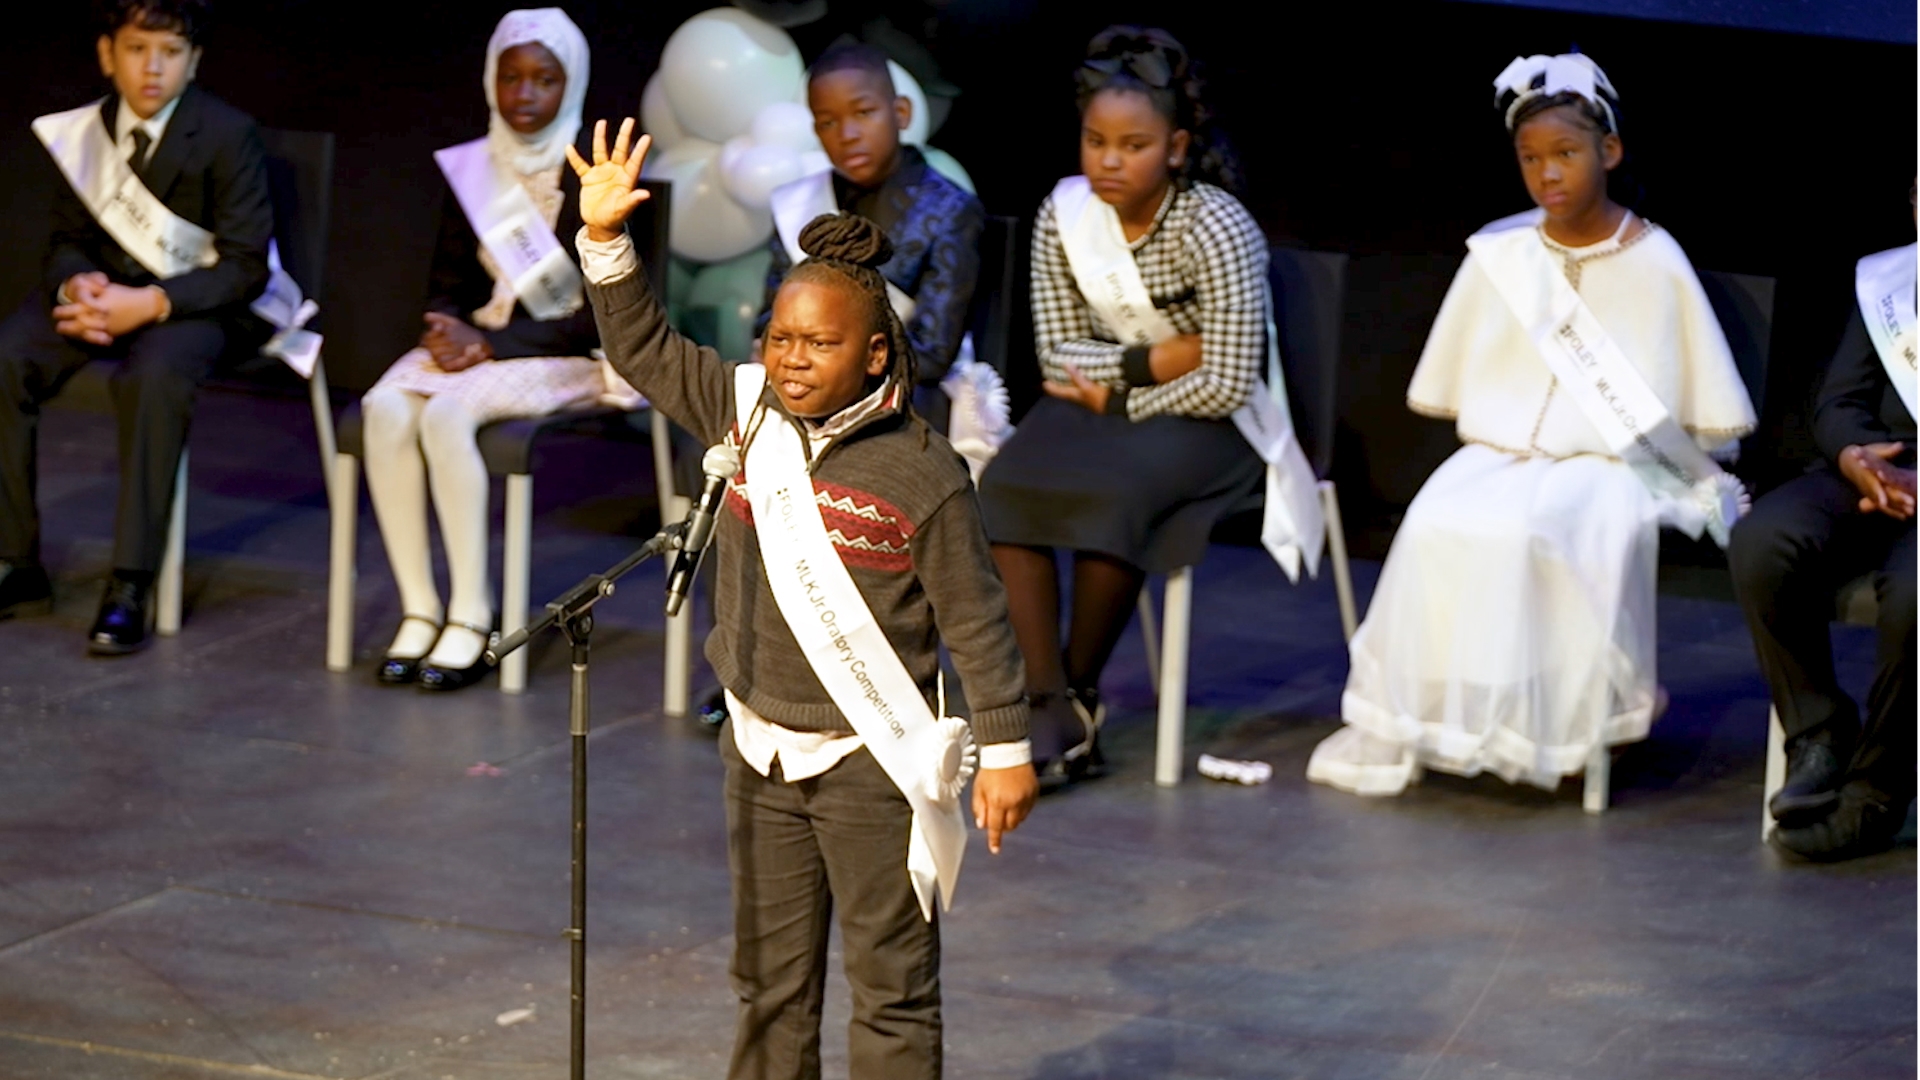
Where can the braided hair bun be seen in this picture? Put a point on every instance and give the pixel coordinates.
(846, 238)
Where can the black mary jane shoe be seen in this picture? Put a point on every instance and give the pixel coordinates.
(1085, 761)
(434, 677)
(1064, 741)
(401, 670)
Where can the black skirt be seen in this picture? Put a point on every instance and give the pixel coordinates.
(1148, 492)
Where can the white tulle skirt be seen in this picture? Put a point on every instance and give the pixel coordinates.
(1512, 628)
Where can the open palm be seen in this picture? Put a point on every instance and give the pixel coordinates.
(607, 195)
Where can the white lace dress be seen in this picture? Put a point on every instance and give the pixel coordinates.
(1512, 628)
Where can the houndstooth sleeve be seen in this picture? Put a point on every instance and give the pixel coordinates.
(1225, 255)
(1063, 331)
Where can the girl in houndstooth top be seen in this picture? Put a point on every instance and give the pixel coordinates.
(1131, 458)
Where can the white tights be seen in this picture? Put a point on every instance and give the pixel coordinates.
(411, 441)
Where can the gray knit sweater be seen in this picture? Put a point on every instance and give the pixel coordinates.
(899, 507)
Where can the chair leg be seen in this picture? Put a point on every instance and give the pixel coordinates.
(1599, 779)
(1168, 755)
(677, 677)
(168, 586)
(323, 421)
(1337, 548)
(343, 494)
(1776, 770)
(515, 569)
(1150, 637)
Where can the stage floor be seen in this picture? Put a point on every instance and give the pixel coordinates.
(217, 859)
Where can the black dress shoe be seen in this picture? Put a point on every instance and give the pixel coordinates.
(401, 670)
(439, 678)
(1863, 822)
(125, 620)
(434, 677)
(1814, 772)
(24, 590)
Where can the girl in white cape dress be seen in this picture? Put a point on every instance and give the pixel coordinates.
(1512, 628)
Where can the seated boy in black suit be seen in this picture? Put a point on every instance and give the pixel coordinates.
(158, 243)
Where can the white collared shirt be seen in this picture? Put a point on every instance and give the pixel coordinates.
(155, 126)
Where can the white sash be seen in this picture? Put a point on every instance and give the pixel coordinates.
(927, 758)
(1884, 284)
(1610, 392)
(510, 228)
(1294, 527)
(163, 242)
(797, 202)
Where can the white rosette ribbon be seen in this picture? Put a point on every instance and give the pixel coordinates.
(1725, 500)
(959, 760)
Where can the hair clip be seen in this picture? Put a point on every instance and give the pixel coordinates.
(1150, 68)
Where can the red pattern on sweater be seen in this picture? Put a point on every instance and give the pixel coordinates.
(868, 531)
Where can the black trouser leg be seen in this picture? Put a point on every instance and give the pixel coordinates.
(1886, 756)
(35, 362)
(153, 395)
(1789, 557)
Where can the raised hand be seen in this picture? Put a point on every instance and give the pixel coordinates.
(607, 195)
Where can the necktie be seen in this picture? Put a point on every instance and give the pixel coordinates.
(141, 141)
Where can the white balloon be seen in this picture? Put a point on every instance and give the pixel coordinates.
(905, 85)
(753, 174)
(813, 161)
(723, 66)
(707, 224)
(788, 124)
(942, 162)
(661, 162)
(731, 150)
(656, 115)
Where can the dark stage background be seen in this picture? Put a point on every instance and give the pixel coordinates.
(1366, 128)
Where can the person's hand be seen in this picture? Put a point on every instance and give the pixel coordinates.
(1002, 798)
(454, 345)
(1081, 391)
(84, 288)
(82, 321)
(1884, 487)
(607, 195)
(1174, 357)
(128, 308)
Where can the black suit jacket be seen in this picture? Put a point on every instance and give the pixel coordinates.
(210, 169)
(1858, 404)
(458, 284)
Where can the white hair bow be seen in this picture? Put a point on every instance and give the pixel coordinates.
(1529, 77)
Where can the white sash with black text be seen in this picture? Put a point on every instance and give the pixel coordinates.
(924, 755)
(510, 227)
(161, 241)
(1884, 284)
(1609, 391)
(1294, 529)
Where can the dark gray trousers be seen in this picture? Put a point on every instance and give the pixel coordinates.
(1789, 558)
(154, 385)
(796, 851)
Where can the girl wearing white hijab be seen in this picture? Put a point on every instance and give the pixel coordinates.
(506, 335)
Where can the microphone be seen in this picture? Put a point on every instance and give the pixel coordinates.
(721, 464)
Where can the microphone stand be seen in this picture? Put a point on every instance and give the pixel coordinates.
(572, 612)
